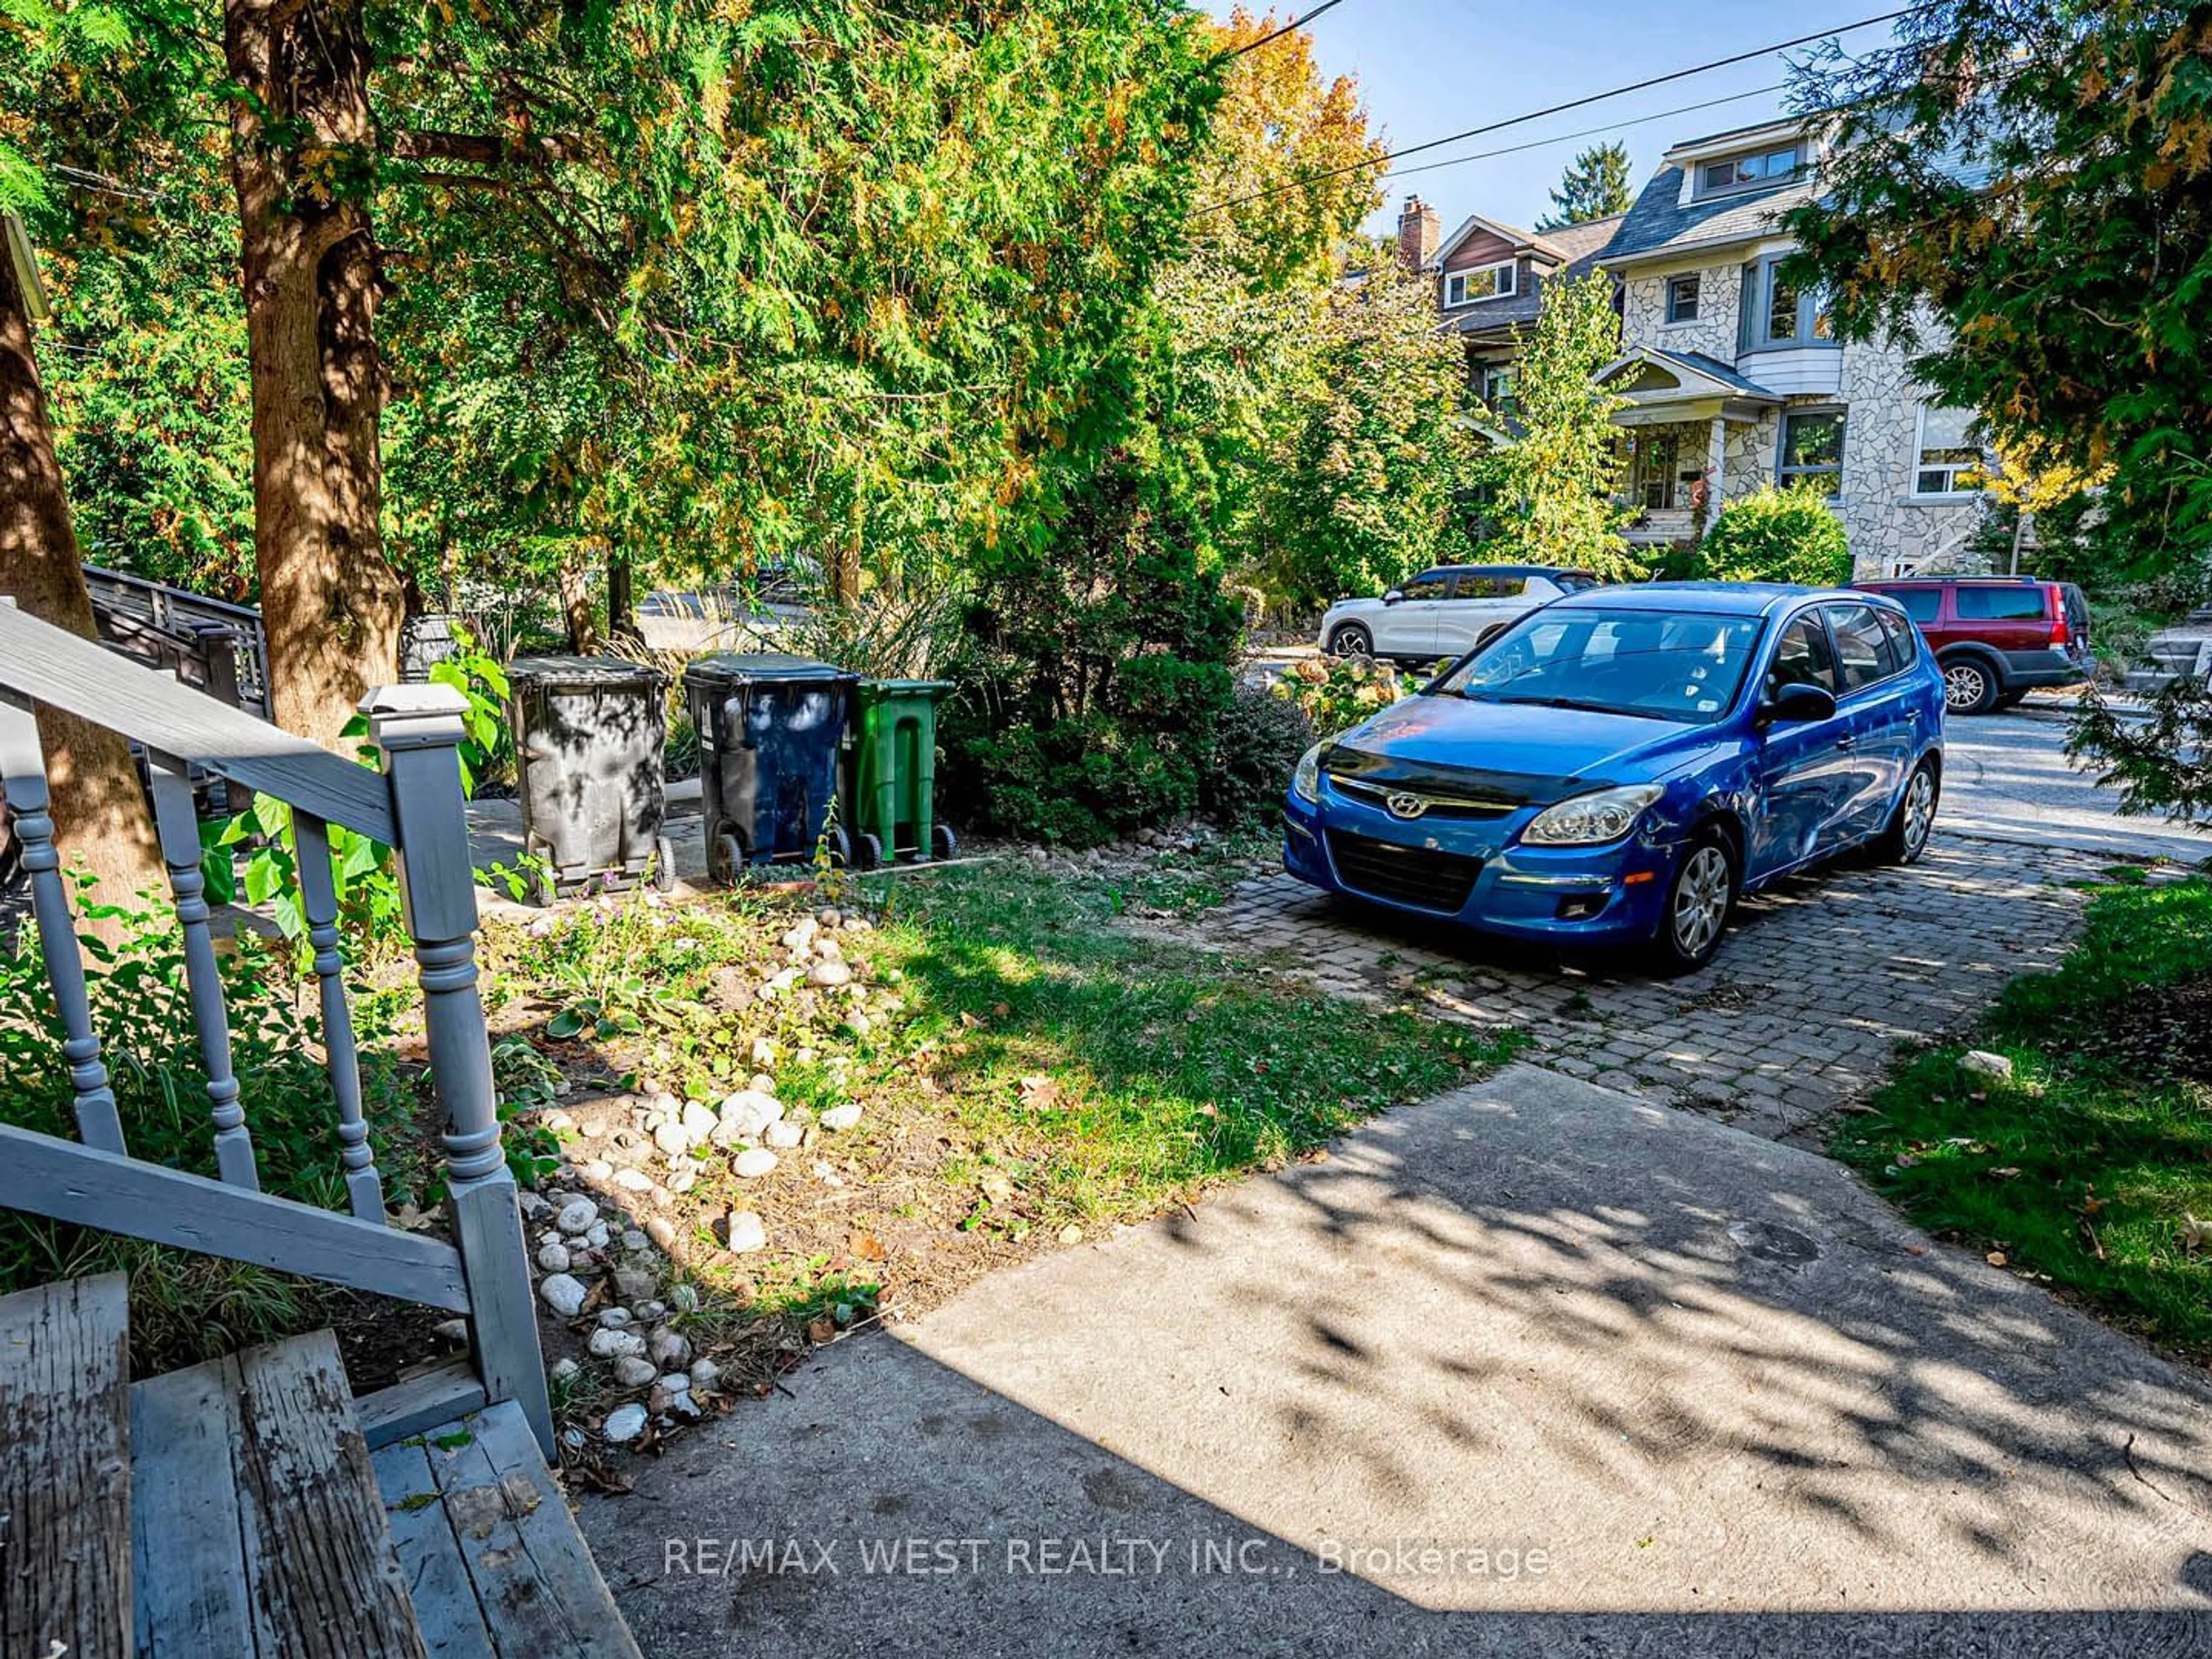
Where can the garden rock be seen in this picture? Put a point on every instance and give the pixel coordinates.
(633, 1372)
(625, 1424)
(577, 1216)
(671, 1348)
(784, 1134)
(705, 1373)
(554, 1258)
(634, 1238)
(662, 1231)
(672, 1138)
(563, 1294)
(838, 1119)
(533, 1206)
(684, 1298)
(613, 1345)
(745, 1231)
(614, 1319)
(1982, 1063)
(451, 1330)
(632, 1181)
(634, 1284)
(564, 1368)
(829, 972)
(742, 1116)
(754, 1163)
(596, 1236)
(698, 1119)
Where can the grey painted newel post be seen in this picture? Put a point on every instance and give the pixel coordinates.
(416, 728)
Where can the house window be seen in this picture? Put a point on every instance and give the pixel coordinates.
(1778, 312)
(1771, 166)
(1948, 452)
(1683, 299)
(1497, 390)
(1812, 447)
(1464, 287)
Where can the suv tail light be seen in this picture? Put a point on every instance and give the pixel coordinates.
(2061, 632)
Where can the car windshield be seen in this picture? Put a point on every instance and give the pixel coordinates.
(1684, 665)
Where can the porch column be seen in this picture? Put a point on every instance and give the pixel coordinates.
(1716, 470)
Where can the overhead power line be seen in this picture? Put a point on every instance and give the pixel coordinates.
(1558, 109)
(1278, 33)
(1586, 132)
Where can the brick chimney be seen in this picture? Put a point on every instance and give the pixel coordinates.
(1417, 234)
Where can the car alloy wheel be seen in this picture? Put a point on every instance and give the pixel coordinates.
(1701, 901)
(1919, 812)
(1352, 641)
(1965, 686)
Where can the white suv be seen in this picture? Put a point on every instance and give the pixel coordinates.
(1444, 612)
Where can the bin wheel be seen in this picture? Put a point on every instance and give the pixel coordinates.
(729, 859)
(840, 846)
(867, 850)
(545, 887)
(663, 864)
(942, 841)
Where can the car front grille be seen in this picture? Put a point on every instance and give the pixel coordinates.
(1434, 805)
(1417, 876)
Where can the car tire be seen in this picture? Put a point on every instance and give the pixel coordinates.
(1700, 898)
(1351, 639)
(1910, 826)
(1970, 686)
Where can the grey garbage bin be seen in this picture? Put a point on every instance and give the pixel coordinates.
(588, 739)
(770, 726)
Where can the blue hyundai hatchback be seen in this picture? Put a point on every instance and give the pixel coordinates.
(1622, 765)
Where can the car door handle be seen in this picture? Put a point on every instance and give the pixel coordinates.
(1847, 741)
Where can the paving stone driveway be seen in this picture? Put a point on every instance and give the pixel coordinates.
(1821, 978)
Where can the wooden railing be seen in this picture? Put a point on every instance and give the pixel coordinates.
(119, 598)
(415, 807)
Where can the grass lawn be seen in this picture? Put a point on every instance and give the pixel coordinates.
(2091, 1169)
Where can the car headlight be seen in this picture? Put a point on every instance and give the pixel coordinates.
(1306, 782)
(1602, 814)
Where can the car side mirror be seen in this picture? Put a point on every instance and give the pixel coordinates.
(1799, 704)
(1394, 596)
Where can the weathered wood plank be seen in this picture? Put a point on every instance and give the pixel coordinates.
(65, 1470)
(540, 1592)
(419, 1403)
(49, 1177)
(61, 668)
(190, 1581)
(438, 1581)
(324, 1580)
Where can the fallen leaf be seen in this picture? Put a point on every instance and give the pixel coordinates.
(2007, 1173)
(1000, 1011)
(970, 1021)
(1070, 1234)
(1037, 1092)
(821, 1329)
(866, 1247)
(997, 1185)
(1996, 1258)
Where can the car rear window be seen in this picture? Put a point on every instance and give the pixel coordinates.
(1904, 639)
(1862, 649)
(1473, 587)
(2019, 603)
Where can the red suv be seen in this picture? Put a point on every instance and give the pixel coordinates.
(1997, 638)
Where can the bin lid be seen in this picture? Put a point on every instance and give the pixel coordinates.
(905, 688)
(602, 673)
(742, 667)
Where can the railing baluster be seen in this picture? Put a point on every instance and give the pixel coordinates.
(177, 822)
(23, 776)
(417, 729)
(319, 904)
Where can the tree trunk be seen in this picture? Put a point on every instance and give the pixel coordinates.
(576, 608)
(622, 607)
(330, 599)
(99, 809)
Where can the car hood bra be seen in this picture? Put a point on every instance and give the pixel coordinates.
(1517, 755)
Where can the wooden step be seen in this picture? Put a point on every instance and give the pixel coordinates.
(496, 1565)
(65, 1470)
(258, 1529)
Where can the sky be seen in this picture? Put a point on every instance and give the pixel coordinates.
(1427, 68)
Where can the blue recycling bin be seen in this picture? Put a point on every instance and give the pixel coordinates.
(770, 726)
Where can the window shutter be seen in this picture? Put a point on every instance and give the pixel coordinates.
(1747, 307)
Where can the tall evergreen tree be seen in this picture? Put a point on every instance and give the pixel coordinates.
(1594, 186)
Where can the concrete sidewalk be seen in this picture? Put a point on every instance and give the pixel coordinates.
(1734, 1403)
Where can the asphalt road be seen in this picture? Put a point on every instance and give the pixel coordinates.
(2007, 778)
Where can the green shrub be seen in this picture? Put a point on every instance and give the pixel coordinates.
(1096, 671)
(1335, 694)
(1777, 535)
(1256, 746)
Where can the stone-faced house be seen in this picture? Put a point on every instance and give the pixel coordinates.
(1489, 279)
(1734, 379)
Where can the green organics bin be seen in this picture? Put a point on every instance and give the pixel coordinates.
(893, 772)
